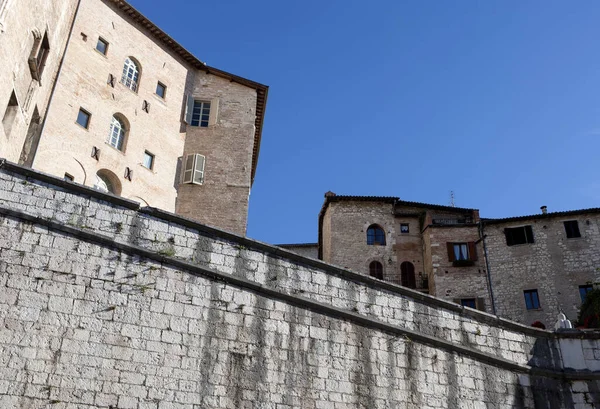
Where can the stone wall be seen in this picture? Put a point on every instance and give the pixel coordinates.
(109, 304)
(554, 265)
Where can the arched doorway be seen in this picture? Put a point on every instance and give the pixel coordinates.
(376, 270)
(107, 182)
(407, 271)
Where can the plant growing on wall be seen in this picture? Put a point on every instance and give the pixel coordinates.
(589, 313)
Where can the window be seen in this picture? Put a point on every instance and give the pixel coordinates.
(161, 90)
(116, 134)
(83, 118)
(584, 289)
(407, 275)
(404, 228)
(38, 56)
(518, 235)
(107, 182)
(200, 114)
(375, 235)
(102, 46)
(148, 160)
(131, 74)
(376, 270)
(193, 171)
(532, 300)
(462, 253)
(572, 229)
(469, 302)
(68, 177)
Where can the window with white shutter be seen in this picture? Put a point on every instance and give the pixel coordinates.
(193, 169)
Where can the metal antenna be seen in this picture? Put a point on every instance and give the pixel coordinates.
(452, 199)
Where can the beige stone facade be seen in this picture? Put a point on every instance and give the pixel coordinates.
(451, 249)
(133, 134)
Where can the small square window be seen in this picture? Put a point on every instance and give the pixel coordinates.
(68, 177)
(161, 90)
(468, 302)
(404, 228)
(572, 229)
(532, 299)
(102, 46)
(148, 160)
(584, 289)
(83, 118)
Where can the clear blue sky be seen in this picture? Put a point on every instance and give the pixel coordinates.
(498, 101)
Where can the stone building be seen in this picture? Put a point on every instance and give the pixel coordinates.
(94, 92)
(528, 268)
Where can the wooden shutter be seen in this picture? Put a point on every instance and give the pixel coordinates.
(188, 169)
(480, 303)
(199, 161)
(529, 234)
(214, 111)
(472, 251)
(189, 109)
(450, 247)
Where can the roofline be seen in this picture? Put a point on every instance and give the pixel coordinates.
(262, 90)
(395, 200)
(541, 216)
(297, 245)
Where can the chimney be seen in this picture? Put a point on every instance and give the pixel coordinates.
(544, 209)
(329, 194)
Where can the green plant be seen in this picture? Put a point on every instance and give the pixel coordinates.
(589, 313)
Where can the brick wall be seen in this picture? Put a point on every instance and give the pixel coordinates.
(106, 303)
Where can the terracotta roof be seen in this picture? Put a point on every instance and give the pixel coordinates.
(542, 216)
(261, 90)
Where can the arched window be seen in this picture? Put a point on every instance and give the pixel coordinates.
(107, 182)
(375, 235)
(407, 272)
(116, 134)
(131, 74)
(376, 270)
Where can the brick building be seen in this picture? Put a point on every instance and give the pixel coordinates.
(527, 268)
(92, 91)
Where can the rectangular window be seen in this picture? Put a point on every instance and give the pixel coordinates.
(572, 229)
(148, 160)
(584, 289)
(468, 302)
(200, 114)
(518, 235)
(68, 177)
(193, 170)
(161, 90)
(532, 300)
(102, 46)
(462, 254)
(404, 228)
(38, 56)
(83, 118)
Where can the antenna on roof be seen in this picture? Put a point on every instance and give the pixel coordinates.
(452, 199)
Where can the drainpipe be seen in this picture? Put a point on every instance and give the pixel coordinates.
(487, 266)
(60, 65)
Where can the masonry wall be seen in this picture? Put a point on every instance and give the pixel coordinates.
(109, 304)
(19, 19)
(554, 265)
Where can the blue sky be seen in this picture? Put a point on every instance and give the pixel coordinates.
(497, 101)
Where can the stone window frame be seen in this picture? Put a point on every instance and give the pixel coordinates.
(376, 269)
(118, 141)
(132, 74)
(532, 299)
(106, 45)
(89, 118)
(145, 164)
(376, 235)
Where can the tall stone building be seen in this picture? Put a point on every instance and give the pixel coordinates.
(94, 92)
(527, 268)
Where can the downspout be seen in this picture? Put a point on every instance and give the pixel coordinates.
(60, 65)
(487, 266)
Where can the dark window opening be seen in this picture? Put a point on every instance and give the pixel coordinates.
(10, 115)
(583, 290)
(148, 160)
(375, 235)
(161, 90)
(468, 302)
(572, 229)
(532, 299)
(376, 270)
(83, 118)
(407, 274)
(102, 46)
(518, 235)
(404, 228)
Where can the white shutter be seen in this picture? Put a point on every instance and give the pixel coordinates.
(189, 109)
(188, 169)
(214, 112)
(199, 169)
